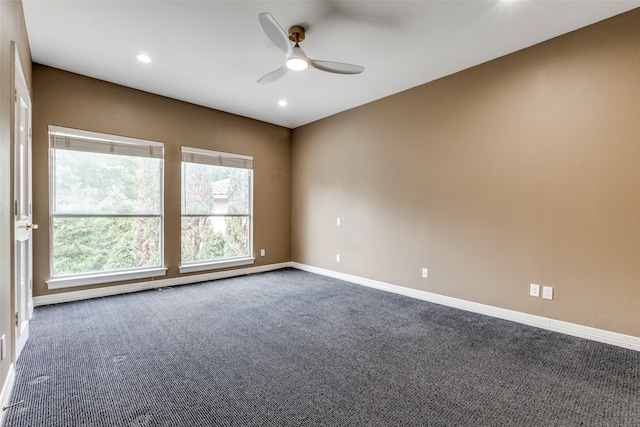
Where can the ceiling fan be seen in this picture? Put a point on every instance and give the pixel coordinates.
(295, 58)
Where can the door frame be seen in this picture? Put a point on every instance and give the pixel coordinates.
(21, 310)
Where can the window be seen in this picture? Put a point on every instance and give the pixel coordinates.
(216, 210)
(105, 208)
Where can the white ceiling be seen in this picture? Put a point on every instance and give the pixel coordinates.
(211, 53)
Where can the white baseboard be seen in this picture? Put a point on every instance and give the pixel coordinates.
(7, 389)
(151, 284)
(600, 335)
(594, 334)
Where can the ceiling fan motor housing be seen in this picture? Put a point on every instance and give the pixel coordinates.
(296, 33)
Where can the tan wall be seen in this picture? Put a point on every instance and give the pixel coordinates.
(12, 28)
(522, 170)
(74, 101)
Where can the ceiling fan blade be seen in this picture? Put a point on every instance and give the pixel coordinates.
(336, 67)
(273, 76)
(275, 32)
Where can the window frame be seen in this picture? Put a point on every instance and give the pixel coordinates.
(225, 160)
(99, 277)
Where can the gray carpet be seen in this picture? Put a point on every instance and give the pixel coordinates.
(290, 348)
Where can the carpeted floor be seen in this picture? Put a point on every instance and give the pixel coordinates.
(290, 348)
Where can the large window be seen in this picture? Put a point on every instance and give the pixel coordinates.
(105, 207)
(216, 209)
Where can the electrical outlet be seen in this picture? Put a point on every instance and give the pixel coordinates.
(547, 292)
(338, 258)
(338, 221)
(534, 290)
(263, 252)
(425, 272)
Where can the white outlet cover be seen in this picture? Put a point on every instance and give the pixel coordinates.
(338, 258)
(547, 292)
(338, 221)
(425, 273)
(263, 252)
(534, 290)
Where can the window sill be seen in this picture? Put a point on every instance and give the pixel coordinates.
(99, 278)
(214, 265)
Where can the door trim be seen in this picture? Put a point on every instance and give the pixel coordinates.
(7, 390)
(21, 176)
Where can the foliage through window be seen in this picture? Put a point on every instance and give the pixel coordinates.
(106, 203)
(216, 206)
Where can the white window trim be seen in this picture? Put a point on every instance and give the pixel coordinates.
(107, 277)
(193, 267)
(244, 162)
(96, 278)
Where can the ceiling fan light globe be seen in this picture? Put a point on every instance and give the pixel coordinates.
(297, 64)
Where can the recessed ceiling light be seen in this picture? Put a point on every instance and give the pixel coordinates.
(144, 58)
(283, 103)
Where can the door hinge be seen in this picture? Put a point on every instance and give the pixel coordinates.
(29, 132)
(15, 94)
(17, 317)
(15, 208)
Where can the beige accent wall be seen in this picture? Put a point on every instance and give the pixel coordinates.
(12, 28)
(522, 170)
(71, 100)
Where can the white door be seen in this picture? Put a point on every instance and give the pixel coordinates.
(23, 251)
